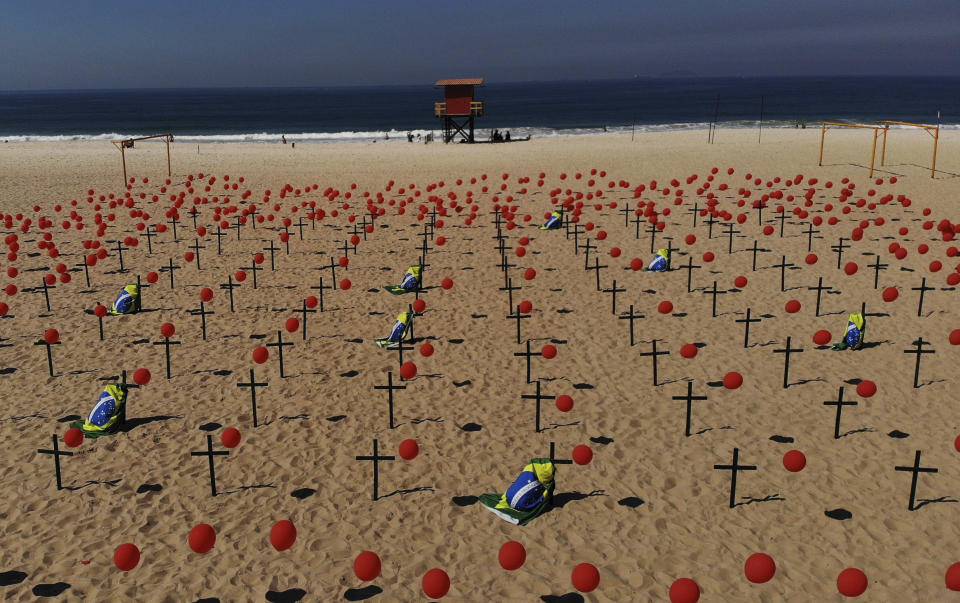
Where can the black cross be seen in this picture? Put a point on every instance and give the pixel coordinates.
(390, 387)
(596, 267)
(652, 231)
(626, 214)
(695, 210)
(746, 327)
(819, 289)
(755, 249)
(877, 267)
(46, 293)
(320, 288)
(760, 207)
(786, 361)
(538, 397)
(304, 311)
(613, 291)
(923, 288)
(173, 222)
(100, 320)
(253, 385)
(403, 348)
(166, 343)
(253, 267)
(286, 243)
(364, 225)
(690, 268)
(140, 289)
(170, 268)
(196, 247)
(653, 353)
(120, 250)
(782, 216)
(783, 265)
(239, 224)
(424, 248)
(631, 317)
(57, 453)
(210, 453)
(502, 247)
(518, 315)
(272, 248)
(734, 468)
(149, 233)
(194, 212)
(413, 316)
(422, 263)
(219, 234)
(670, 250)
(919, 351)
(838, 249)
(637, 221)
(731, 230)
(509, 288)
(300, 224)
(280, 344)
(230, 286)
(49, 353)
(253, 219)
(528, 354)
(505, 265)
(916, 470)
(332, 267)
(714, 292)
(555, 460)
(839, 403)
(710, 222)
(810, 232)
(86, 271)
(689, 399)
(345, 249)
(376, 458)
(576, 235)
(587, 247)
(202, 313)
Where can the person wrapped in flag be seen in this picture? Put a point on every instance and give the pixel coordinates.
(853, 335)
(555, 221)
(411, 280)
(128, 302)
(660, 262)
(528, 496)
(108, 414)
(397, 334)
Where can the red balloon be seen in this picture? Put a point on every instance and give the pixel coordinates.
(73, 437)
(426, 350)
(585, 577)
(202, 538)
(5, 309)
(732, 380)
(436, 583)
(955, 337)
(51, 336)
(141, 376)
(512, 555)
(953, 576)
(366, 566)
(240, 276)
(343, 262)
(811, 258)
(564, 403)
(615, 252)
(866, 388)
(441, 240)
(260, 355)
(665, 307)
(688, 350)
(850, 268)
(283, 534)
(167, 329)
(793, 306)
(822, 337)
(188, 256)
(740, 282)
(408, 370)
(708, 256)
(230, 437)
(852, 582)
(548, 351)
(100, 311)
(11, 289)
(691, 239)
(529, 274)
(582, 454)
(409, 449)
(794, 461)
(345, 284)
(447, 283)
(292, 325)
(311, 302)
(890, 294)
(636, 264)
(206, 294)
(126, 557)
(50, 279)
(525, 307)
(759, 568)
(684, 590)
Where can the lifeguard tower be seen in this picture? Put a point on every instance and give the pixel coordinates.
(459, 109)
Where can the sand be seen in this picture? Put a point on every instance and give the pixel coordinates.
(647, 510)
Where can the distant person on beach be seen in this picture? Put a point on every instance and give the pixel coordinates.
(409, 136)
(283, 137)
(293, 145)
(604, 128)
(506, 137)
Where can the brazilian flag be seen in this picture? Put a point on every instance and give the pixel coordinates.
(529, 496)
(107, 415)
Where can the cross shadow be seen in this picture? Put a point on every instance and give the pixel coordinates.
(300, 416)
(861, 430)
(130, 424)
(930, 501)
(419, 420)
(291, 595)
(362, 594)
(931, 382)
(407, 491)
(805, 381)
(110, 482)
(558, 426)
(706, 429)
(749, 500)
(567, 598)
(252, 487)
(561, 500)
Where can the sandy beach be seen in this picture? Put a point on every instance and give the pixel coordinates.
(648, 509)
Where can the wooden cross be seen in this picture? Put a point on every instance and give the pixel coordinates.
(86, 270)
(422, 263)
(505, 265)
(173, 222)
(631, 317)
(300, 224)
(783, 265)
(528, 355)
(653, 353)
(230, 286)
(755, 249)
(760, 207)
(538, 397)
(555, 460)
(509, 288)
(272, 248)
(810, 232)
(613, 291)
(253, 219)
(149, 233)
(57, 453)
(253, 267)
(587, 247)
(637, 221)
(390, 387)
(210, 453)
(166, 343)
(714, 292)
(734, 468)
(401, 349)
(695, 210)
(219, 234)
(332, 267)
(916, 470)
(239, 224)
(919, 351)
(202, 313)
(626, 211)
(46, 291)
(746, 327)
(782, 216)
(253, 385)
(170, 268)
(690, 268)
(652, 231)
(194, 212)
(376, 458)
(786, 351)
(120, 250)
(345, 249)
(710, 222)
(839, 403)
(819, 289)
(877, 267)
(670, 250)
(196, 247)
(731, 230)
(321, 289)
(923, 288)
(49, 352)
(280, 344)
(838, 249)
(596, 267)
(689, 399)
(304, 311)
(518, 315)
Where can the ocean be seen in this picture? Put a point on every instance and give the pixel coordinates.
(537, 109)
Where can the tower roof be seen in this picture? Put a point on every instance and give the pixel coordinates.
(463, 81)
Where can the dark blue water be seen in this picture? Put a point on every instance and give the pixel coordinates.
(537, 108)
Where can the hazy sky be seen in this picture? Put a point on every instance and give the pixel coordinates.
(201, 43)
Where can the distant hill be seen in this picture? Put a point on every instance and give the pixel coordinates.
(678, 73)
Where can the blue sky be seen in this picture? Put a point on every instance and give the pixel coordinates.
(213, 43)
